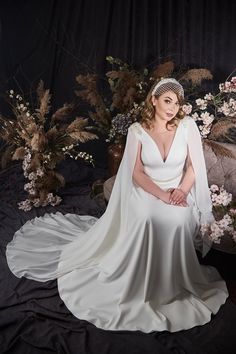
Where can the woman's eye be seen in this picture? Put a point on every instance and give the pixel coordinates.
(167, 101)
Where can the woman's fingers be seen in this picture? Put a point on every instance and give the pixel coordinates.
(177, 196)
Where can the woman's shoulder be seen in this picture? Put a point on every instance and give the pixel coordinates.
(186, 120)
(136, 128)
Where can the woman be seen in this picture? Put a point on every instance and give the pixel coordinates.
(136, 267)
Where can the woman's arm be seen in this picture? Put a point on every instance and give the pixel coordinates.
(189, 177)
(180, 194)
(141, 179)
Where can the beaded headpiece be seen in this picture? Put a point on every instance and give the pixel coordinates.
(168, 84)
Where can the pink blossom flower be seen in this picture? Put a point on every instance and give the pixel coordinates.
(214, 188)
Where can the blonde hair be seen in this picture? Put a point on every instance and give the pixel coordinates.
(148, 112)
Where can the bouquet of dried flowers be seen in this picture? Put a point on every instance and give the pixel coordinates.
(42, 141)
(224, 210)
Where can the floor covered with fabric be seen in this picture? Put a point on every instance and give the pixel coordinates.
(33, 318)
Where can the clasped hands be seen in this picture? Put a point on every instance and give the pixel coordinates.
(177, 197)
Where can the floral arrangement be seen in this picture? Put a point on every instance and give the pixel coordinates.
(42, 141)
(224, 210)
(216, 114)
(127, 90)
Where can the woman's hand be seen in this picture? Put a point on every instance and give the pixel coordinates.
(165, 197)
(177, 197)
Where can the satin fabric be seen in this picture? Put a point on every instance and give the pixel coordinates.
(136, 267)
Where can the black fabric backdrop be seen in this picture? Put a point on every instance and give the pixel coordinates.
(54, 40)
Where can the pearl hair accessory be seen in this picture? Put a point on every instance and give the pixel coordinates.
(168, 84)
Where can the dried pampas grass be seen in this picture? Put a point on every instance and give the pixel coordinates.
(196, 76)
(163, 70)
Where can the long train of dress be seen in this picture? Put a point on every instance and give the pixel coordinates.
(136, 267)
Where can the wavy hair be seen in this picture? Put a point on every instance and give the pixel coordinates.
(148, 112)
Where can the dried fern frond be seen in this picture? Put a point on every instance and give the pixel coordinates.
(196, 76)
(218, 149)
(6, 156)
(7, 129)
(62, 113)
(52, 134)
(40, 90)
(82, 136)
(35, 162)
(77, 124)
(163, 70)
(76, 132)
(221, 128)
(38, 142)
(52, 181)
(60, 178)
(44, 105)
(19, 153)
(89, 93)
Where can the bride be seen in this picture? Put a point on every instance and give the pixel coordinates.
(136, 267)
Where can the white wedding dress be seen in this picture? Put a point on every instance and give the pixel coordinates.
(136, 267)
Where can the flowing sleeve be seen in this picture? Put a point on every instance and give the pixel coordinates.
(200, 189)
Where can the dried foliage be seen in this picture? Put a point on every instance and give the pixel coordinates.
(221, 128)
(163, 70)
(89, 93)
(218, 149)
(41, 142)
(196, 76)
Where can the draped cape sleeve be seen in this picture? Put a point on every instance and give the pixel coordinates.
(200, 189)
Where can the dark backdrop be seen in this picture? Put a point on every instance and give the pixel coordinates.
(56, 39)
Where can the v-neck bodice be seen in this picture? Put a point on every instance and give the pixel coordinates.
(165, 158)
(168, 171)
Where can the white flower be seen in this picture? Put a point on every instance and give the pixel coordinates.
(201, 103)
(39, 172)
(208, 96)
(25, 205)
(216, 233)
(225, 108)
(36, 202)
(207, 118)
(11, 92)
(223, 223)
(32, 176)
(195, 116)
(187, 108)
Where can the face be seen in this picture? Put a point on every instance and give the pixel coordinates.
(166, 106)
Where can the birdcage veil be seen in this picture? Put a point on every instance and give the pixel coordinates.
(168, 84)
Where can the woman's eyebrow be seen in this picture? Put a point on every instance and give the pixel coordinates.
(170, 98)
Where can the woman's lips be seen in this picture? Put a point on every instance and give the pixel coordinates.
(169, 115)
